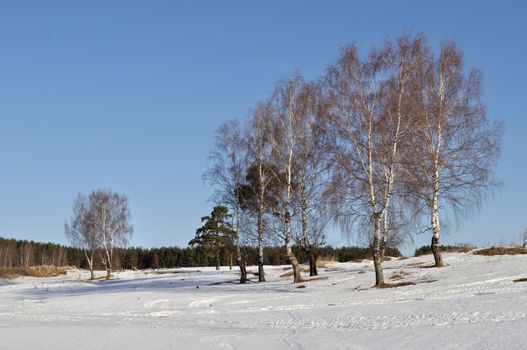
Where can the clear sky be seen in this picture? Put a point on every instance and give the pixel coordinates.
(126, 95)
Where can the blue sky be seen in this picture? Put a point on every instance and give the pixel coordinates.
(126, 95)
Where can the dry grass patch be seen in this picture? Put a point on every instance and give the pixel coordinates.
(501, 251)
(395, 285)
(33, 271)
(399, 275)
(325, 260)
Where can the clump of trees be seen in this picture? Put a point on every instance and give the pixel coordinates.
(269, 173)
(100, 223)
(382, 144)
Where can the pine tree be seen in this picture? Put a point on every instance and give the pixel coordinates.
(216, 236)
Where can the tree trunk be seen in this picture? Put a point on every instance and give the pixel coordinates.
(297, 276)
(313, 263)
(377, 257)
(243, 274)
(240, 260)
(436, 231)
(437, 252)
(305, 241)
(109, 269)
(92, 271)
(108, 263)
(436, 228)
(230, 261)
(241, 264)
(218, 262)
(90, 264)
(384, 236)
(261, 272)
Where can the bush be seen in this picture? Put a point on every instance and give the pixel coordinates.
(458, 248)
(33, 271)
(501, 251)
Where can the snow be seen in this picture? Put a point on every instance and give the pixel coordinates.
(472, 303)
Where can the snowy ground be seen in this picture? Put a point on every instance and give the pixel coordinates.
(472, 303)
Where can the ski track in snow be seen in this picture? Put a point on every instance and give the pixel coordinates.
(472, 291)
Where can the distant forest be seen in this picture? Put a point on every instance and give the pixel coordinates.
(23, 253)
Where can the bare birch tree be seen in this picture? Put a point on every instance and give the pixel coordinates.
(80, 231)
(287, 106)
(227, 173)
(456, 149)
(260, 179)
(368, 119)
(311, 174)
(110, 218)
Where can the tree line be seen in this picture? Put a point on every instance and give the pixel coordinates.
(23, 253)
(383, 144)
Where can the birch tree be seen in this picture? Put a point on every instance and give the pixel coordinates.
(81, 233)
(260, 179)
(110, 216)
(287, 112)
(311, 174)
(456, 149)
(368, 118)
(228, 167)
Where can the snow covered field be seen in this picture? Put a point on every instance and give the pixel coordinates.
(472, 303)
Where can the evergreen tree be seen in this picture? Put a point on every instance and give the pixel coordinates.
(216, 236)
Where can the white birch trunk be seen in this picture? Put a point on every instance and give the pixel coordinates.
(436, 226)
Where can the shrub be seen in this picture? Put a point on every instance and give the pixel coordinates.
(33, 271)
(458, 248)
(501, 251)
